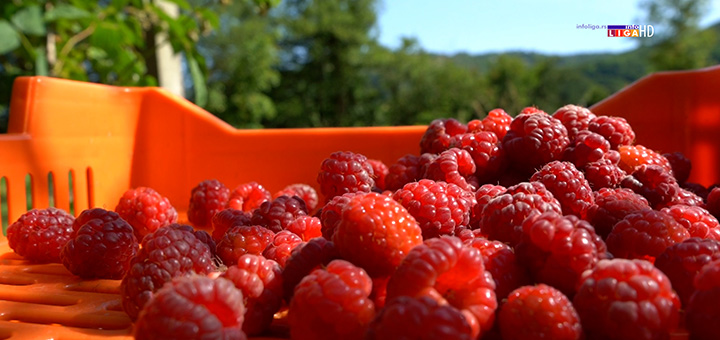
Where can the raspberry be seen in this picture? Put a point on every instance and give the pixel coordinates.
(304, 191)
(703, 312)
(330, 216)
(633, 156)
(686, 197)
(260, 281)
(451, 273)
(241, 240)
(282, 245)
(345, 172)
(332, 303)
(626, 299)
(713, 203)
(206, 199)
(418, 318)
(169, 252)
(502, 217)
(409, 168)
(611, 206)
(680, 166)
(486, 152)
(603, 174)
(574, 118)
(497, 121)
(438, 207)
(380, 171)
(539, 312)
(616, 130)
(306, 227)
(100, 248)
(500, 261)
(304, 259)
(568, 186)
(454, 166)
(532, 110)
(534, 140)
(277, 214)
(587, 147)
(145, 210)
(697, 189)
(248, 197)
(226, 219)
(482, 197)
(698, 221)
(375, 233)
(193, 307)
(39, 235)
(645, 235)
(653, 183)
(437, 136)
(379, 291)
(556, 251)
(682, 261)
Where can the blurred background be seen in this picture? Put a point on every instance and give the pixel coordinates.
(310, 63)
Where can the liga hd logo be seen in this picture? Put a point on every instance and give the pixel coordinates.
(630, 31)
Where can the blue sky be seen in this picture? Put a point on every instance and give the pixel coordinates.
(481, 26)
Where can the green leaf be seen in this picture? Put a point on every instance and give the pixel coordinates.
(30, 20)
(9, 39)
(65, 11)
(41, 64)
(201, 94)
(181, 3)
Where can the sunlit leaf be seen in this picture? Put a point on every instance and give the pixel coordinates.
(30, 20)
(9, 39)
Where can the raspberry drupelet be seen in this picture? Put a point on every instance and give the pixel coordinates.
(145, 210)
(39, 235)
(207, 199)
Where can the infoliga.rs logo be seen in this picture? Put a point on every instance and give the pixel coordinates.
(631, 31)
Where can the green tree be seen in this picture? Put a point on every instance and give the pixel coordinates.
(508, 81)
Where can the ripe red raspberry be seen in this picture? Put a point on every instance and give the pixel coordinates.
(145, 210)
(409, 168)
(626, 299)
(703, 311)
(500, 261)
(307, 227)
(645, 235)
(438, 207)
(226, 219)
(653, 183)
(304, 191)
(454, 166)
(611, 206)
(686, 197)
(260, 281)
(697, 189)
(486, 151)
(682, 261)
(248, 197)
(713, 202)
(556, 250)
(331, 212)
(482, 197)
(502, 217)
(375, 233)
(345, 172)
(39, 235)
(451, 273)
(532, 110)
(206, 199)
(568, 186)
(277, 214)
(169, 252)
(418, 318)
(438, 134)
(194, 307)
(281, 247)
(534, 140)
(587, 147)
(698, 221)
(539, 312)
(574, 118)
(603, 174)
(332, 303)
(633, 156)
(379, 291)
(497, 121)
(101, 247)
(304, 259)
(241, 240)
(615, 129)
(680, 166)
(380, 171)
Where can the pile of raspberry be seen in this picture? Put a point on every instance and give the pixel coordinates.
(537, 226)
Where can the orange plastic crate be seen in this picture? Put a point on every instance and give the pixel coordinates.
(109, 139)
